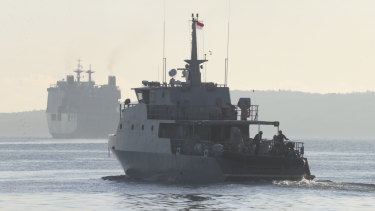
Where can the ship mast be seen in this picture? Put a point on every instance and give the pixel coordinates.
(194, 64)
(90, 72)
(79, 71)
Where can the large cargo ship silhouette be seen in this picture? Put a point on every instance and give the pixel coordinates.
(82, 109)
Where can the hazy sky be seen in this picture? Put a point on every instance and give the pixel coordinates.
(315, 46)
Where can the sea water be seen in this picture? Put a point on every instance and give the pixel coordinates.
(49, 174)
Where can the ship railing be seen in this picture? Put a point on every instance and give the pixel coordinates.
(126, 106)
(184, 84)
(168, 112)
(299, 148)
(129, 106)
(206, 147)
(221, 85)
(288, 148)
(210, 84)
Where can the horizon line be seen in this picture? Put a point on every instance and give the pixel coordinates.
(251, 90)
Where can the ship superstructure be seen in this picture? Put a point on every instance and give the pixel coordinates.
(82, 109)
(191, 132)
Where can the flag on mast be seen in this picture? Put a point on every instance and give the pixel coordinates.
(199, 25)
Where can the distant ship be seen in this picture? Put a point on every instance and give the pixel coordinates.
(189, 131)
(81, 109)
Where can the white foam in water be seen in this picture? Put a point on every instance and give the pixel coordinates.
(327, 184)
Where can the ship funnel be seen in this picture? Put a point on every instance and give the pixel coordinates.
(112, 80)
(70, 79)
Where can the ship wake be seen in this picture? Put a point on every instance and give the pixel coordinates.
(327, 185)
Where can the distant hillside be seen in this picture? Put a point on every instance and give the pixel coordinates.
(302, 115)
(316, 115)
(25, 124)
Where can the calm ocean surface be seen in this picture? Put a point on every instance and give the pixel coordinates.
(47, 174)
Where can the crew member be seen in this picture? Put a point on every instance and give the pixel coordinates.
(280, 137)
(257, 139)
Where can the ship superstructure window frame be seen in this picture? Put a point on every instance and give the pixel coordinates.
(139, 97)
(143, 95)
(214, 133)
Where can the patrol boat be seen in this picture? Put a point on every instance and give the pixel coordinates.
(190, 132)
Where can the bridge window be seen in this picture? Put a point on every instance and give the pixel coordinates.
(140, 96)
(143, 96)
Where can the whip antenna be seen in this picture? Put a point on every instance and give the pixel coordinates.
(164, 59)
(227, 58)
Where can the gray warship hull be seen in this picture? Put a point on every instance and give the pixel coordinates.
(170, 168)
(200, 169)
